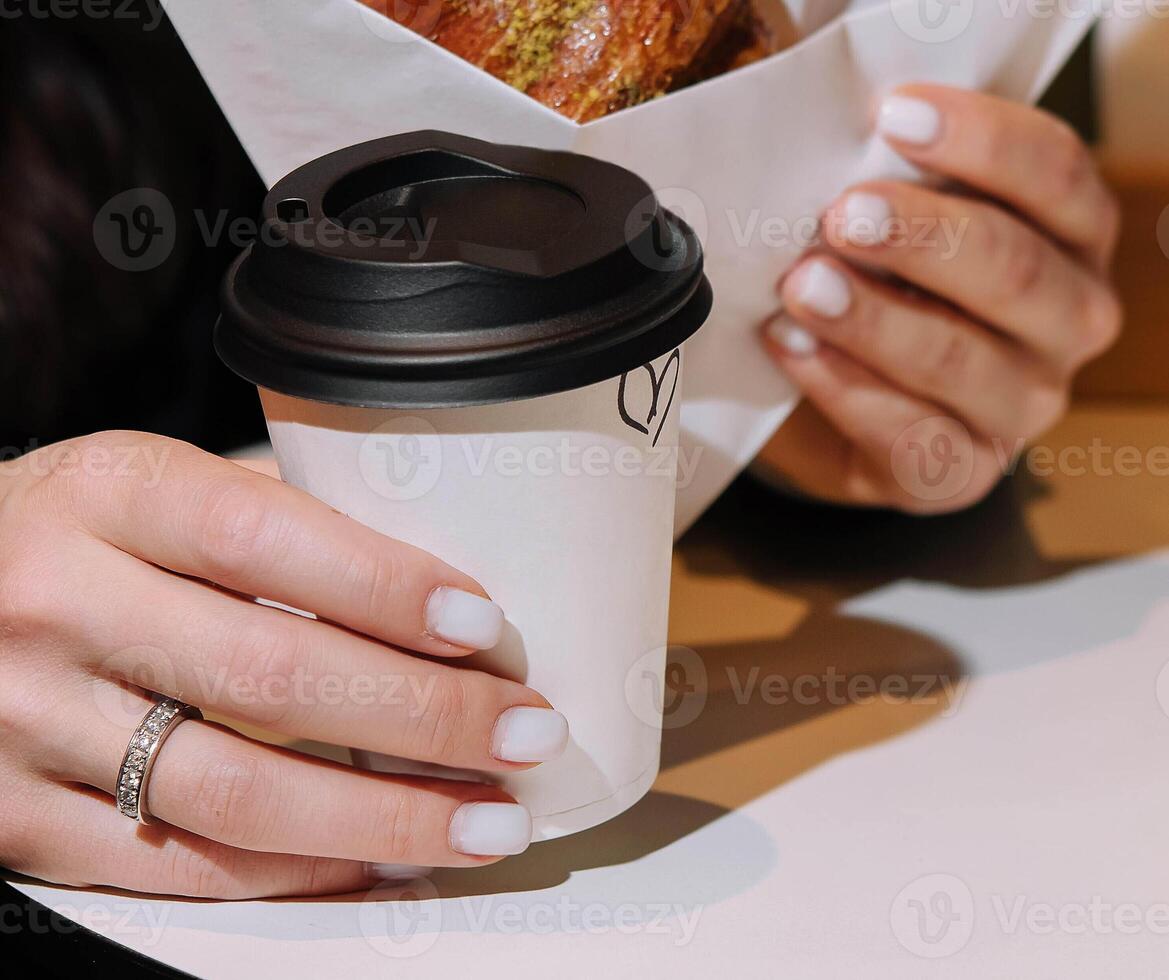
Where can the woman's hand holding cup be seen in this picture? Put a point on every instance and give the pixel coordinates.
(128, 563)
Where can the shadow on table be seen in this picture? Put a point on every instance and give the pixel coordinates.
(828, 553)
(823, 556)
(916, 603)
(651, 844)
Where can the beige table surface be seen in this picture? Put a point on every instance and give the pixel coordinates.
(995, 808)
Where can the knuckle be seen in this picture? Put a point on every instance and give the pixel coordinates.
(231, 798)
(205, 873)
(440, 730)
(376, 576)
(1024, 262)
(1000, 140)
(26, 716)
(863, 325)
(995, 145)
(29, 606)
(63, 482)
(52, 478)
(65, 469)
(397, 827)
(264, 655)
(946, 366)
(313, 875)
(231, 526)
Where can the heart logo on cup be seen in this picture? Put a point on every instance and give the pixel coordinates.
(657, 386)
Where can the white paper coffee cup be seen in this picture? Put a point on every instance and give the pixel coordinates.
(564, 512)
(477, 349)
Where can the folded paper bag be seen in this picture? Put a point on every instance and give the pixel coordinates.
(748, 158)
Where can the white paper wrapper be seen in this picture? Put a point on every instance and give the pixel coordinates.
(741, 157)
(563, 509)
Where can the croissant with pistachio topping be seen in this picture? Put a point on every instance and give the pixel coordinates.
(586, 58)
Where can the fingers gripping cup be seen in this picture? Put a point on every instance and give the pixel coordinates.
(478, 349)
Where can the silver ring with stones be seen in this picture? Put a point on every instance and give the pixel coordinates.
(138, 762)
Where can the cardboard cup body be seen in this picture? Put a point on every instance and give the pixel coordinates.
(562, 506)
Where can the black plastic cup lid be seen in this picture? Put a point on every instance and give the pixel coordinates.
(428, 271)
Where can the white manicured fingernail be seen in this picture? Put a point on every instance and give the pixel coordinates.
(529, 735)
(866, 217)
(491, 829)
(793, 339)
(463, 618)
(397, 872)
(911, 120)
(823, 290)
